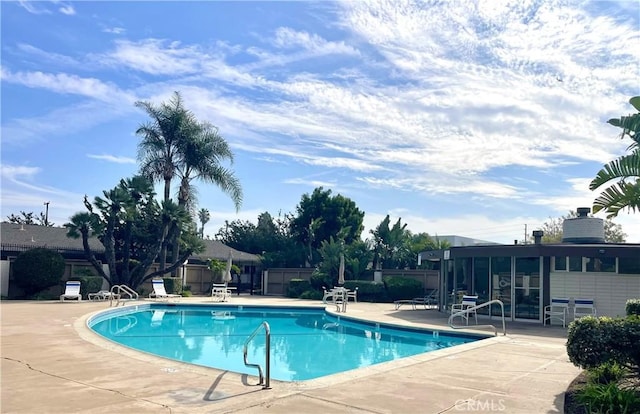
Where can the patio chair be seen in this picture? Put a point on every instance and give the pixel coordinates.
(159, 292)
(100, 295)
(583, 307)
(557, 310)
(353, 294)
(71, 291)
(220, 292)
(468, 301)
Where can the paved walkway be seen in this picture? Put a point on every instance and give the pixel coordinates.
(52, 363)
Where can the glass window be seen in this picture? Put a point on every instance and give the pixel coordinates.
(601, 264)
(575, 263)
(560, 263)
(629, 265)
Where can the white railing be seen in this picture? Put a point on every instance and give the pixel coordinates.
(474, 309)
(121, 294)
(267, 334)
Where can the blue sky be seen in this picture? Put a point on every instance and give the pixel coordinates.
(473, 118)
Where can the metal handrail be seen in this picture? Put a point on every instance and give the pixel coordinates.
(116, 292)
(473, 309)
(267, 333)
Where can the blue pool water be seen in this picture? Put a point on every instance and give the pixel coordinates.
(306, 343)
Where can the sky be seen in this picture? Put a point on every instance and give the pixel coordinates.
(481, 119)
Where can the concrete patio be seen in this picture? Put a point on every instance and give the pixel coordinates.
(52, 363)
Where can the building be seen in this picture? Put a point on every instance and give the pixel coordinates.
(17, 238)
(526, 277)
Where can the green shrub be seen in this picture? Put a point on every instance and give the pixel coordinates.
(88, 284)
(311, 294)
(173, 285)
(186, 293)
(297, 287)
(606, 373)
(403, 288)
(633, 307)
(609, 398)
(319, 280)
(38, 269)
(592, 342)
(368, 291)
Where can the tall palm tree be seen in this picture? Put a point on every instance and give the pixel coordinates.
(625, 193)
(176, 145)
(201, 155)
(204, 216)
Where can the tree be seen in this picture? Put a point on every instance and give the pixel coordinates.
(204, 216)
(271, 238)
(391, 245)
(131, 225)
(176, 145)
(37, 269)
(30, 218)
(552, 230)
(320, 216)
(625, 171)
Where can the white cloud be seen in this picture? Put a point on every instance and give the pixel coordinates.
(29, 6)
(67, 9)
(69, 84)
(155, 57)
(114, 30)
(113, 158)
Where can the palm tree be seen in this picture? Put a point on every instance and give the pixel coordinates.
(625, 193)
(175, 145)
(204, 216)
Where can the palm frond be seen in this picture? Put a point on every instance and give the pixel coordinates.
(618, 197)
(627, 166)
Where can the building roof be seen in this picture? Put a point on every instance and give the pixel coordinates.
(20, 237)
(530, 250)
(215, 249)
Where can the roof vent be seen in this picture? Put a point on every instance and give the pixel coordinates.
(583, 229)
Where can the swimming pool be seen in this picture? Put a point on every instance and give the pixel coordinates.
(306, 343)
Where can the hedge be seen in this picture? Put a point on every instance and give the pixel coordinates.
(403, 288)
(297, 287)
(88, 284)
(173, 285)
(633, 307)
(594, 341)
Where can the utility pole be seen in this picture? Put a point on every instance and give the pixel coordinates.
(525, 234)
(46, 214)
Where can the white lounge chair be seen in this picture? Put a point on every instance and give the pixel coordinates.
(557, 310)
(468, 301)
(429, 301)
(71, 291)
(583, 307)
(220, 292)
(159, 292)
(100, 295)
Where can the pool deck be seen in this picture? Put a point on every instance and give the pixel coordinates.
(52, 363)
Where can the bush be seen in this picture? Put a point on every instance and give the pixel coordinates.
(319, 280)
(173, 285)
(403, 288)
(606, 373)
(311, 294)
(609, 398)
(592, 342)
(38, 269)
(88, 284)
(368, 291)
(297, 287)
(633, 307)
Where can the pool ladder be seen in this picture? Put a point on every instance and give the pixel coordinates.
(118, 293)
(267, 335)
(473, 309)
